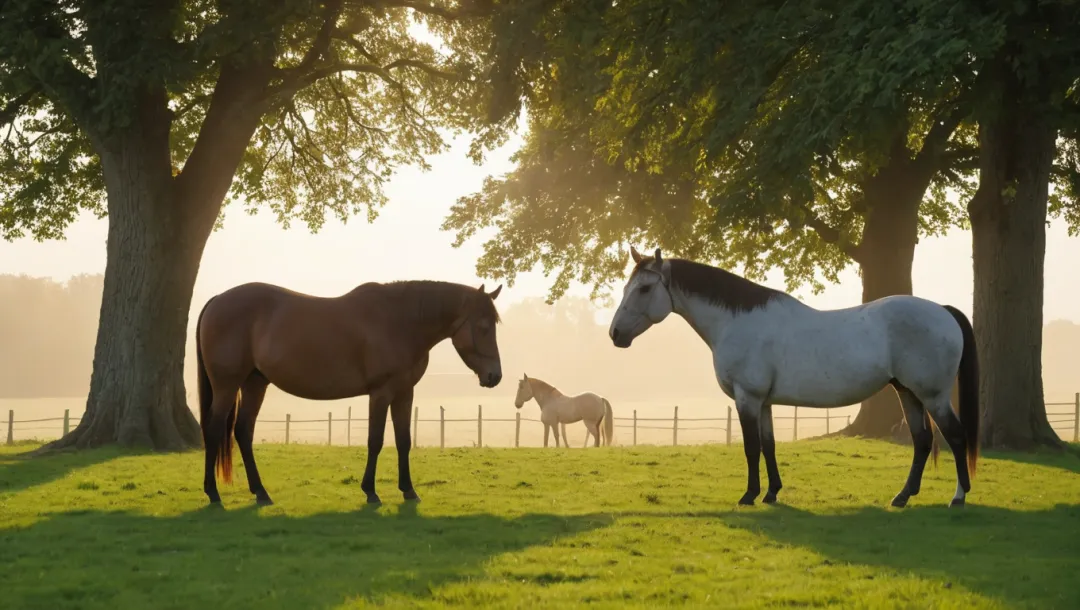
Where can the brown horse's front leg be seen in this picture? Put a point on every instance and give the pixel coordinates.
(400, 409)
(377, 408)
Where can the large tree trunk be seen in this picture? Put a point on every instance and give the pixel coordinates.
(158, 227)
(885, 256)
(1008, 228)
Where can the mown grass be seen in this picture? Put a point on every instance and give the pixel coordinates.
(621, 527)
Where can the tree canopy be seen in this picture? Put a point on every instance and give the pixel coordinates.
(743, 134)
(346, 91)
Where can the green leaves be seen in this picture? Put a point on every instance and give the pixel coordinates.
(745, 134)
(345, 93)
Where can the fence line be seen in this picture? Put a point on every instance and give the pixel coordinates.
(676, 424)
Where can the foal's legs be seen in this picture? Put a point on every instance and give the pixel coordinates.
(251, 398)
(768, 447)
(378, 405)
(953, 431)
(922, 437)
(400, 410)
(749, 413)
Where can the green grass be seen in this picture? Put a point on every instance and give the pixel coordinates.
(532, 528)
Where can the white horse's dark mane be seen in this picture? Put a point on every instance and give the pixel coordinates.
(717, 286)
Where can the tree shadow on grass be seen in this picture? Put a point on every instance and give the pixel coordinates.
(23, 470)
(1067, 459)
(240, 558)
(1029, 558)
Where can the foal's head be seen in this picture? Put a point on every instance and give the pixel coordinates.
(646, 299)
(475, 340)
(524, 392)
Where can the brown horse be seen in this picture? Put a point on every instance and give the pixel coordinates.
(373, 340)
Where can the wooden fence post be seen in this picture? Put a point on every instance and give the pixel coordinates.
(479, 425)
(416, 427)
(348, 428)
(1076, 419)
(67, 421)
(329, 428)
(728, 434)
(517, 430)
(635, 427)
(828, 418)
(795, 430)
(288, 422)
(675, 428)
(442, 428)
(11, 426)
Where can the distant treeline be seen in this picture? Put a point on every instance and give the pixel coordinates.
(48, 329)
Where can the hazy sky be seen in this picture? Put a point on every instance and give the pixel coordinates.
(405, 243)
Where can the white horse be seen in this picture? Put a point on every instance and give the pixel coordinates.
(557, 408)
(769, 348)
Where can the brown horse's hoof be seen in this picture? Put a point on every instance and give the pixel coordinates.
(410, 496)
(956, 502)
(373, 499)
(264, 501)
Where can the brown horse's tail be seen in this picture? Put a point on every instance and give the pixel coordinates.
(969, 388)
(608, 423)
(206, 406)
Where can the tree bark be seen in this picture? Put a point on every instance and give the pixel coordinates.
(158, 228)
(1017, 143)
(885, 256)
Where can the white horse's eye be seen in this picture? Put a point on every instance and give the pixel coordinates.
(646, 288)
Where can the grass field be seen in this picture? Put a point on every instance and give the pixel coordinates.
(616, 527)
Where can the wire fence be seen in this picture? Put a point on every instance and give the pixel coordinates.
(804, 423)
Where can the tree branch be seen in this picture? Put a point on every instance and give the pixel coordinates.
(938, 136)
(828, 233)
(11, 111)
(476, 8)
(321, 44)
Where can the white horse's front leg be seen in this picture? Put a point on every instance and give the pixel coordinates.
(547, 431)
(555, 431)
(749, 409)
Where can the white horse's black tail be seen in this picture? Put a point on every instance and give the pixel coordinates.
(968, 378)
(608, 422)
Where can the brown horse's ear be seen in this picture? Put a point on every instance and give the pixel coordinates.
(635, 255)
(495, 293)
(481, 288)
(657, 256)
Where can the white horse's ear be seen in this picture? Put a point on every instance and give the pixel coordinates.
(524, 377)
(657, 256)
(635, 255)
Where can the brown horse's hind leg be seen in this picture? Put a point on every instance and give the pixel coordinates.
(251, 398)
(378, 405)
(400, 410)
(217, 437)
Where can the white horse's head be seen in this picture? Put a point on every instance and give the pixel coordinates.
(524, 392)
(646, 299)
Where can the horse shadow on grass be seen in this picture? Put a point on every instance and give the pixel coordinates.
(241, 558)
(1029, 558)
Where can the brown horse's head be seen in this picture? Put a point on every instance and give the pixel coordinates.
(475, 341)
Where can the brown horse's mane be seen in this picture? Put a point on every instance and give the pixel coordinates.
(438, 302)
